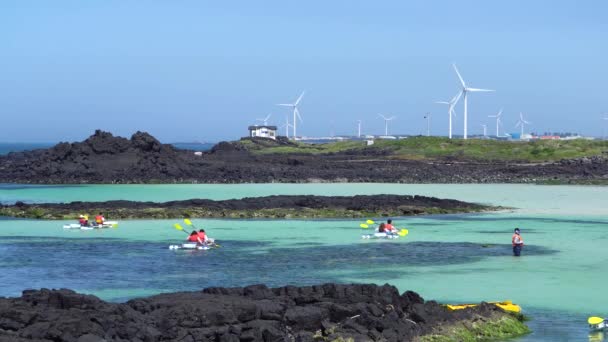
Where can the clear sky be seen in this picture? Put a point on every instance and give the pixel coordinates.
(205, 70)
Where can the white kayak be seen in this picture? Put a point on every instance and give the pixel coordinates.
(191, 246)
(107, 224)
(380, 236)
(602, 326)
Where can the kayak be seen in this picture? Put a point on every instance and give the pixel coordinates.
(107, 224)
(603, 325)
(190, 246)
(507, 305)
(380, 236)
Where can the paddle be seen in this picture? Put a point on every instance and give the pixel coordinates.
(403, 232)
(595, 320)
(364, 226)
(178, 227)
(370, 222)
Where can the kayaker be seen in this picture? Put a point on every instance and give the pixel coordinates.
(382, 228)
(389, 228)
(202, 235)
(99, 219)
(517, 241)
(82, 221)
(194, 237)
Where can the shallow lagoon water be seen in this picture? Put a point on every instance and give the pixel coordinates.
(452, 258)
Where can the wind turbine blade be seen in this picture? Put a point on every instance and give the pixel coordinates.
(442, 102)
(391, 118)
(267, 117)
(285, 104)
(479, 90)
(298, 114)
(499, 113)
(527, 122)
(518, 124)
(382, 116)
(299, 98)
(456, 98)
(459, 77)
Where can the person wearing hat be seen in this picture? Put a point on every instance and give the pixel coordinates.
(83, 221)
(517, 241)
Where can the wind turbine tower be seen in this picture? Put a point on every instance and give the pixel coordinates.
(451, 113)
(287, 125)
(485, 130)
(359, 129)
(605, 119)
(386, 120)
(296, 113)
(521, 123)
(498, 122)
(428, 124)
(465, 90)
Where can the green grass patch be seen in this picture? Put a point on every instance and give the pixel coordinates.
(507, 326)
(421, 148)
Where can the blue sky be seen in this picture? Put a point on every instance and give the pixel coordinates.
(204, 70)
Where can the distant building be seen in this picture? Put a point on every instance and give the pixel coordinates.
(263, 131)
(549, 137)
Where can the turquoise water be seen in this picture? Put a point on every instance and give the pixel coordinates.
(17, 147)
(559, 280)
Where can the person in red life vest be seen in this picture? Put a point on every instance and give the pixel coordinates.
(389, 228)
(202, 235)
(83, 222)
(194, 237)
(518, 242)
(99, 219)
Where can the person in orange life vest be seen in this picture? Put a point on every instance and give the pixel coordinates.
(389, 228)
(382, 228)
(194, 237)
(202, 235)
(517, 241)
(99, 219)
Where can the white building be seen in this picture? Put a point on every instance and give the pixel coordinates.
(263, 131)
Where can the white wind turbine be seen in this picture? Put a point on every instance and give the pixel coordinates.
(485, 130)
(296, 112)
(498, 122)
(451, 113)
(265, 120)
(606, 119)
(286, 125)
(359, 130)
(386, 120)
(521, 123)
(465, 91)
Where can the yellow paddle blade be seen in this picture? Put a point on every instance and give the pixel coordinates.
(595, 320)
(370, 222)
(188, 222)
(364, 226)
(178, 227)
(403, 232)
(115, 225)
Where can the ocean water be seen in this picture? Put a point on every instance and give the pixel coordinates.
(559, 280)
(5, 148)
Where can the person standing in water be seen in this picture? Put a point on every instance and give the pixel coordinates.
(517, 241)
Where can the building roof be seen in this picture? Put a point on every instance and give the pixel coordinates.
(252, 128)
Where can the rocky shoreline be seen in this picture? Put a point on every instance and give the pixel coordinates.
(103, 158)
(283, 206)
(328, 312)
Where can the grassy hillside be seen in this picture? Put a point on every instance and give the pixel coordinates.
(421, 148)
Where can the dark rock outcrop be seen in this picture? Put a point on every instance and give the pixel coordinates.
(255, 313)
(103, 158)
(268, 206)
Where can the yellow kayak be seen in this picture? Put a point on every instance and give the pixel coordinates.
(507, 305)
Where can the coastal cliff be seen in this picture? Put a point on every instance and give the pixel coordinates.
(328, 312)
(103, 158)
